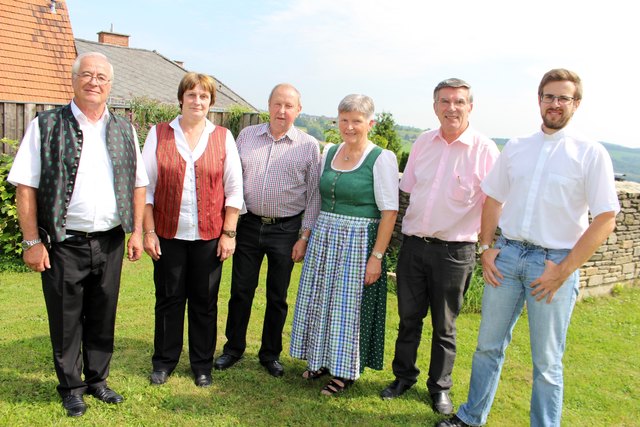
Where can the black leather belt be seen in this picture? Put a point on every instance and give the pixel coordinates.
(270, 220)
(435, 241)
(93, 234)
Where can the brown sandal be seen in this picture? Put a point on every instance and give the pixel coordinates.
(335, 386)
(314, 375)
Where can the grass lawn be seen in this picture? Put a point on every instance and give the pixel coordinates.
(602, 369)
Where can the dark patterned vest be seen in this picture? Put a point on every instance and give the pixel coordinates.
(209, 172)
(61, 144)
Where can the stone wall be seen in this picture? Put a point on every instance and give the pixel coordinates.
(617, 261)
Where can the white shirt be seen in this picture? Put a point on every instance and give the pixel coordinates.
(385, 175)
(93, 202)
(548, 184)
(231, 179)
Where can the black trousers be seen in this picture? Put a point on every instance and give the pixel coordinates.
(81, 293)
(254, 241)
(430, 276)
(186, 271)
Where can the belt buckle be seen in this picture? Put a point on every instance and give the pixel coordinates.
(267, 220)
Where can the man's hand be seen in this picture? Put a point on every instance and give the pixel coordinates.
(37, 258)
(548, 284)
(226, 247)
(134, 246)
(490, 272)
(299, 249)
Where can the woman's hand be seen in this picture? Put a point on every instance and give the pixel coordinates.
(226, 247)
(373, 271)
(151, 245)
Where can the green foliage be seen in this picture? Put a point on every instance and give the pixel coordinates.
(385, 129)
(403, 158)
(10, 234)
(147, 112)
(379, 140)
(332, 136)
(233, 118)
(263, 116)
(473, 297)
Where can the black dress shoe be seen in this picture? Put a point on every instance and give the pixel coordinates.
(74, 405)
(225, 361)
(442, 403)
(158, 377)
(274, 367)
(452, 422)
(203, 380)
(105, 394)
(395, 389)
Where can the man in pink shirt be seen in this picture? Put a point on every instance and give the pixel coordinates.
(440, 228)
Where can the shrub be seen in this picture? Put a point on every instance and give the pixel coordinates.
(10, 235)
(147, 112)
(233, 118)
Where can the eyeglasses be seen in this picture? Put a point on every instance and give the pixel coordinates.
(101, 79)
(547, 98)
(456, 102)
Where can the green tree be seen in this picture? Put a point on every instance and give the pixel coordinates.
(332, 136)
(385, 128)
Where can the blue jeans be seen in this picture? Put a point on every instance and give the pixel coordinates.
(521, 263)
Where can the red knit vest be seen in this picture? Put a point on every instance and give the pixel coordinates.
(209, 170)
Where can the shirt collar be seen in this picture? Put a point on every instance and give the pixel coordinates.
(466, 137)
(292, 134)
(80, 116)
(208, 124)
(556, 136)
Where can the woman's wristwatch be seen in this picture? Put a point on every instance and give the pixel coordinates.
(377, 255)
(229, 233)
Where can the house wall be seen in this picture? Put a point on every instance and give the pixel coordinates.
(617, 261)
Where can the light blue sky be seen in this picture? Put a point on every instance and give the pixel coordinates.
(397, 51)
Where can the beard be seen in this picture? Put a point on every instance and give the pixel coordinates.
(556, 123)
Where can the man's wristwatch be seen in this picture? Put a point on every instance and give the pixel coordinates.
(483, 248)
(28, 244)
(229, 233)
(377, 255)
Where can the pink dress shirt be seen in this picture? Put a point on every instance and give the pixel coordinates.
(444, 183)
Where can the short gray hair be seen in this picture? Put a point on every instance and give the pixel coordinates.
(454, 83)
(75, 68)
(287, 85)
(362, 104)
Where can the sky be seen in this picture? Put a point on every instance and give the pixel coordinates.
(397, 51)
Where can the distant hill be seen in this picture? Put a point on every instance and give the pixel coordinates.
(625, 160)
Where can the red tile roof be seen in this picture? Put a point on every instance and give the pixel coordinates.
(36, 52)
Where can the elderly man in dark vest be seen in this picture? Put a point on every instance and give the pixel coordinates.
(80, 188)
